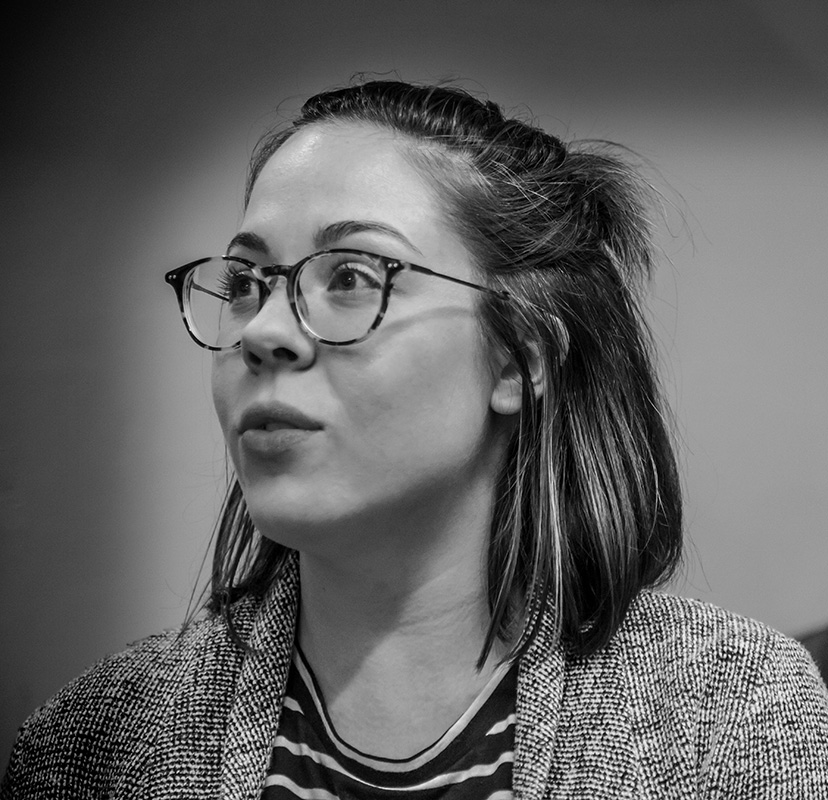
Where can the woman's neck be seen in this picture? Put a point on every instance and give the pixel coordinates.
(393, 637)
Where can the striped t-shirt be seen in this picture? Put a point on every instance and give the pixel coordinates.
(472, 760)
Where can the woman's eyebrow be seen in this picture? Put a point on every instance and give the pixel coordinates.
(329, 235)
(326, 236)
(249, 241)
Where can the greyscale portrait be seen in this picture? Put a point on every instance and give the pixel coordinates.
(415, 401)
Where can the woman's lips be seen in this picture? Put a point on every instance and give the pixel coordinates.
(274, 441)
(269, 429)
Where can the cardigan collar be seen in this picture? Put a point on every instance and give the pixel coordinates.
(538, 709)
(574, 737)
(257, 705)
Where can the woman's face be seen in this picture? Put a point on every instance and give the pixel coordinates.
(386, 432)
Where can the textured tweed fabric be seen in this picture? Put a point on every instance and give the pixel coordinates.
(687, 701)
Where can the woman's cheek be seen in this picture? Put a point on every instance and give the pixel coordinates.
(220, 390)
(225, 389)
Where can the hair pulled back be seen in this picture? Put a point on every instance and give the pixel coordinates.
(588, 510)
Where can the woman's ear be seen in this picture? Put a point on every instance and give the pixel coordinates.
(508, 388)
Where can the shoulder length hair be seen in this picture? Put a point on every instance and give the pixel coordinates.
(588, 510)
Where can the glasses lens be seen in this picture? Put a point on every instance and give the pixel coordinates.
(339, 295)
(222, 297)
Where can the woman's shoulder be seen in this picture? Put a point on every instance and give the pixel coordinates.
(113, 708)
(747, 697)
(684, 642)
(665, 629)
(143, 669)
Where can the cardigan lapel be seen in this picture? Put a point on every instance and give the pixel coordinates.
(257, 704)
(539, 693)
(194, 683)
(596, 753)
(574, 736)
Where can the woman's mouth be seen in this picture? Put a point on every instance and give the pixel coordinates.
(270, 429)
(272, 440)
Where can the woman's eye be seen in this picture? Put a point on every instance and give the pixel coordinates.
(352, 277)
(236, 285)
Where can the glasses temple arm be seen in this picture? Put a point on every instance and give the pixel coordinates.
(204, 289)
(501, 293)
(505, 295)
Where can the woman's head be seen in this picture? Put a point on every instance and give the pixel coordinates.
(587, 509)
(369, 448)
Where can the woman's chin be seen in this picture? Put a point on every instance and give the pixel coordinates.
(289, 518)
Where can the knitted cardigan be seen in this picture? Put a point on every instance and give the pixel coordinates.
(686, 701)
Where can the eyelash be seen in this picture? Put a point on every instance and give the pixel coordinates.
(228, 276)
(350, 266)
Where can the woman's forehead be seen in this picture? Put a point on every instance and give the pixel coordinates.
(328, 172)
(333, 151)
(341, 172)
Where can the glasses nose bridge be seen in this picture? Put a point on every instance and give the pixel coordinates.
(270, 275)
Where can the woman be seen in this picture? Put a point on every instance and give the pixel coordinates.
(438, 395)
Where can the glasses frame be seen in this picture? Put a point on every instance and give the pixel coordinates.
(178, 279)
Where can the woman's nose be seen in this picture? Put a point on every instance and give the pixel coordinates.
(274, 338)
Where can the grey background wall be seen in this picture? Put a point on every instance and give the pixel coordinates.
(125, 138)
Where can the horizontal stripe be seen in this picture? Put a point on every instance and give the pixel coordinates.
(291, 705)
(501, 726)
(304, 751)
(477, 771)
(304, 794)
(445, 779)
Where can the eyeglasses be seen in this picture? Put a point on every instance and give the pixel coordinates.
(339, 297)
